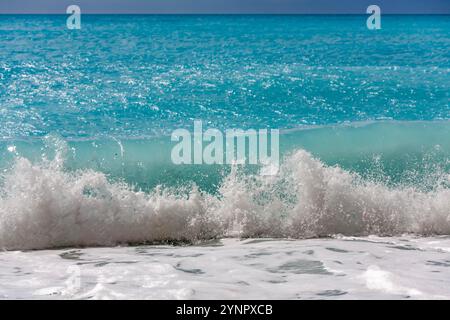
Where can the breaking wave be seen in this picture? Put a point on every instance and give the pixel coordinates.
(44, 206)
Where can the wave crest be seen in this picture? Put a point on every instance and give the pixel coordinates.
(43, 206)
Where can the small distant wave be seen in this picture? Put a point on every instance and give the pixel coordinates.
(44, 206)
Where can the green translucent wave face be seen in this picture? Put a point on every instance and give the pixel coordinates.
(407, 153)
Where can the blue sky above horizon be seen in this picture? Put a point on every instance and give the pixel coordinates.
(227, 6)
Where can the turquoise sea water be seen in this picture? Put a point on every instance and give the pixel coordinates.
(372, 103)
(135, 76)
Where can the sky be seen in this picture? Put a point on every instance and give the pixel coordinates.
(227, 6)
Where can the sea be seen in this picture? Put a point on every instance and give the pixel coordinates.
(92, 205)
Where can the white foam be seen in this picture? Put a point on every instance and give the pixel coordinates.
(263, 269)
(42, 206)
(381, 280)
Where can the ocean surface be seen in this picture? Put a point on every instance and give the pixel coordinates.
(86, 118)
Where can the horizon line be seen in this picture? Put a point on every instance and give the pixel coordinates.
(224, 14)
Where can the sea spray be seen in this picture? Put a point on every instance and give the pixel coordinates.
(44, 206)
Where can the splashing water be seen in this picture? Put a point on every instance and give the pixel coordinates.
(43, 206)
